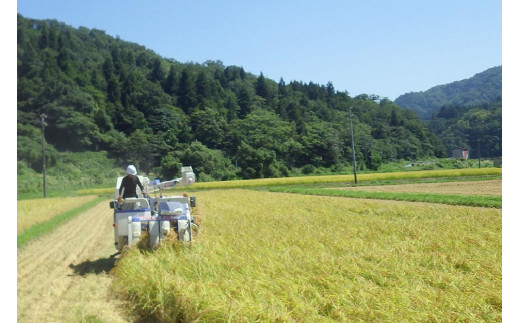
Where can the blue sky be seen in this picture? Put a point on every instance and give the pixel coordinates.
(386, 48)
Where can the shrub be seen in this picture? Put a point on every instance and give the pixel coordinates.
(308, 169)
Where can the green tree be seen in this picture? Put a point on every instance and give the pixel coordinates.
(170, 167)
(140, 150)
(321, 145)
(282, 88)
(208, 164)
(187, 92)
(394, 121)
(209, 127)
(261, 130)
(171, 84)
(203, 88)
(261, 87)
(244, 100)
(157, 74)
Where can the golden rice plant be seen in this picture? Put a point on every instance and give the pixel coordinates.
(31, 212)
(283, 257)
(348, 178)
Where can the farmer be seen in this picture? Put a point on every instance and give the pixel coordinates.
(129, 184)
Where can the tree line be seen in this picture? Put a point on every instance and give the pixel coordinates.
(103, 94)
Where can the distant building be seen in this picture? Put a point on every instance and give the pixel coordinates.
(460, 153)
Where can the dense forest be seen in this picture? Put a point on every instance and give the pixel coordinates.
(481, 89)
(477, 128)
(103, 95)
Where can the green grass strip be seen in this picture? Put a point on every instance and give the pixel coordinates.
(468, 200)
(44, 227)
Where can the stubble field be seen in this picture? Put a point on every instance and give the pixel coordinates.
(491, 187)
(63, 276)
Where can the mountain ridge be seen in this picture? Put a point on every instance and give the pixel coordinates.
(482, 88)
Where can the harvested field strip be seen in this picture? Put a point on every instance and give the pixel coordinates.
(292, 258)
(491, 187)
(30, 212)
(44, 227)
(63, 276)
(468, 200)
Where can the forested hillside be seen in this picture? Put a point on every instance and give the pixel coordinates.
(477, 128)
(483, 88)
(119, 100)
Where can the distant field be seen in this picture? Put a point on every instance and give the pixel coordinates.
(31, 212)
(305, 180)
(264, 256)
(493, 187)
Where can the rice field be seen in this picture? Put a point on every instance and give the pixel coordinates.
(31, 212)
(264, 256)
(304, 180)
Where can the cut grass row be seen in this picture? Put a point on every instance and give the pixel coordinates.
(271, 257)
(468, 200)
(38, 229)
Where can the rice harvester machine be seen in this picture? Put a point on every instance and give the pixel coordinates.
(158, 215)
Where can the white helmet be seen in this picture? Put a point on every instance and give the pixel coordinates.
(131, 170)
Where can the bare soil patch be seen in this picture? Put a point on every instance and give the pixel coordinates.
(492, 187)
(63, 276)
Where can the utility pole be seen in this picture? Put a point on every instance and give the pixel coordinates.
(353, 151)
(478, 143)
(43, 116)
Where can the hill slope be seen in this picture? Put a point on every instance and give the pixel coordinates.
(483, 88)
(477, 128)
(108, 96)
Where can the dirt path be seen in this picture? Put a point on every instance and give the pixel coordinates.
(63, 275)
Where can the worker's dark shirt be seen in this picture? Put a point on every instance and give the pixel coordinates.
(129, 183)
